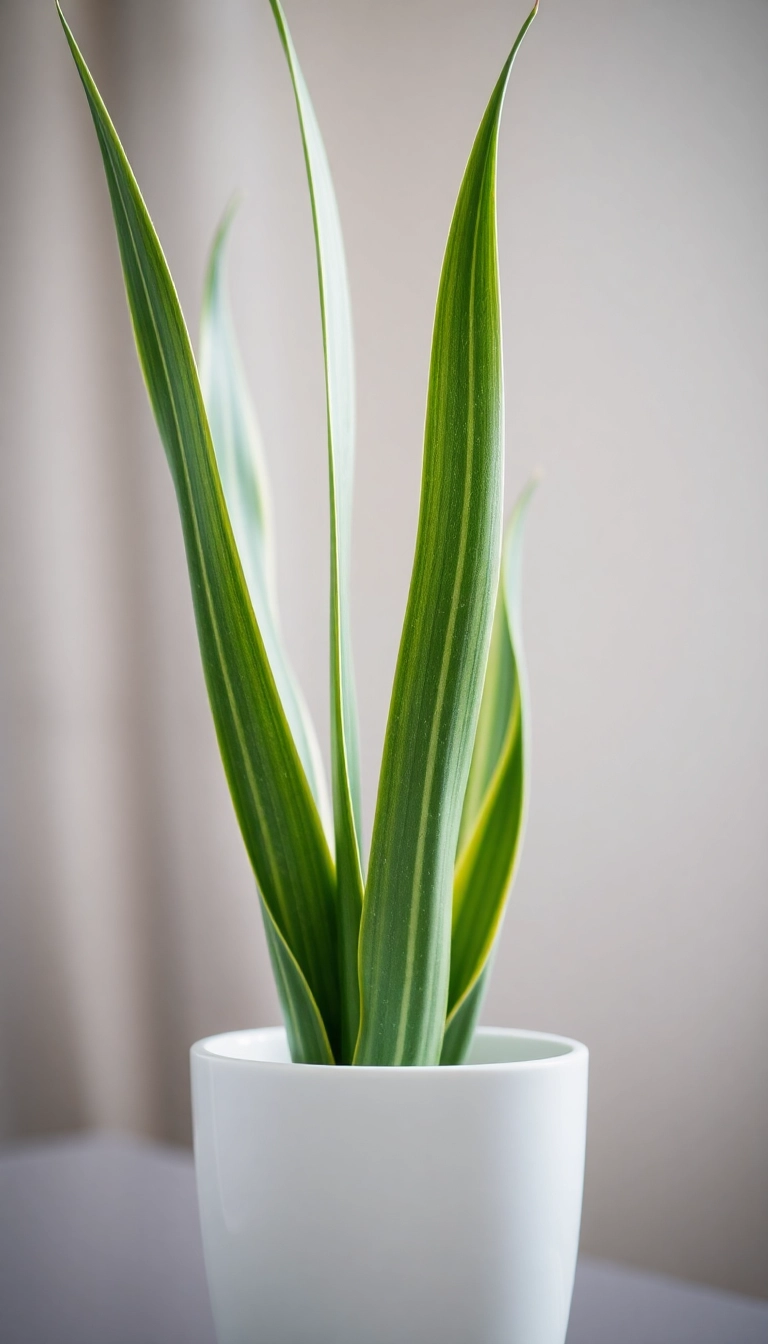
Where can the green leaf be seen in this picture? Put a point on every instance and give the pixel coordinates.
(243, 475)
(460, 1030)
(278, 818)
(494, 815)
(339, 384)
(405, 934)
(307, 1038)
(493, 722)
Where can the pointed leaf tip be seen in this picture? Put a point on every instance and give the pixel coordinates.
(336, 320)
(405, 939)
(278, 817)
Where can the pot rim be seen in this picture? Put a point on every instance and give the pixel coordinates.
(568, 1052)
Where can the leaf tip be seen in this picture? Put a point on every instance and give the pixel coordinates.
(531, 16)
(218, 246)
(226, 221)
(516, 519)
(77, 54)
(230, 210)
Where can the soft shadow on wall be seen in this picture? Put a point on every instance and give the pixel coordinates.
(633, 210)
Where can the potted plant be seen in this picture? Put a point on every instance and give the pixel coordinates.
(378, 1171)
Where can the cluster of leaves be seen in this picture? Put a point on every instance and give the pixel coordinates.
(388, 966)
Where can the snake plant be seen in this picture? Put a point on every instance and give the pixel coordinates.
(384, 964)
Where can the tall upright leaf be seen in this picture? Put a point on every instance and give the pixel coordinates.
(280, 823)
(339, 386)
(406, 926)
(495, 804)
(243, 473)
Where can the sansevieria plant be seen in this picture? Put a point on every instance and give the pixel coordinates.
(384, 963)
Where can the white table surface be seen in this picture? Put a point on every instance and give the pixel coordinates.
(100, 1244)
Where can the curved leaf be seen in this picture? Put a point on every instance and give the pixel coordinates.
(339, 385)
(307, 1038)
(493, 721)
(278, 818)
(243, 474)
(460, 1029)
(405, 934)
(487, 862)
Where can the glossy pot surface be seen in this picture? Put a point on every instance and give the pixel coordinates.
(392, 1205)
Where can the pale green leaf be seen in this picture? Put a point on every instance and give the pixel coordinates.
(405, 935)
(339, 383)
(243, 474)
(278, 818)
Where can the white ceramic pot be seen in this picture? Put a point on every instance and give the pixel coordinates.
(393, 1205)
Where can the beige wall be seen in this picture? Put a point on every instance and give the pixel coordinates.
(633, 206)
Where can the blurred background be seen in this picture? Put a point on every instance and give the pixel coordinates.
(633, 215)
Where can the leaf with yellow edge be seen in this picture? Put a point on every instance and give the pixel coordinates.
(405, 935)
(339, 386)
(496, 801)
(280, 823)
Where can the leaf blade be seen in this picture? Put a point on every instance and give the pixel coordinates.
(278, 819)
(339, 382)
(307, 1038)
(243, 474)
(460, 1028)
(406, 925)
(487, 863)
